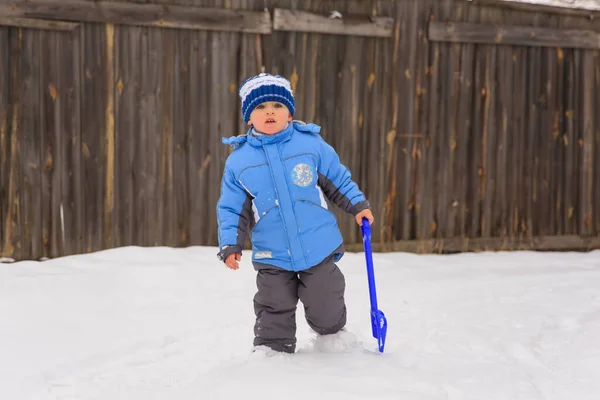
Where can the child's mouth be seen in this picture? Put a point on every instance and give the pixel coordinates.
(270, 121)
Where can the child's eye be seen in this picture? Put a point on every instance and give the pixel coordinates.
(260, 106)
(278, 105)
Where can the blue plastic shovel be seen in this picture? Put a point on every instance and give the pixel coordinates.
(378, 321)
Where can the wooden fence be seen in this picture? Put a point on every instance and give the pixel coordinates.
(469, 126)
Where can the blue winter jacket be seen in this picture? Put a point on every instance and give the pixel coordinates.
(278, 187)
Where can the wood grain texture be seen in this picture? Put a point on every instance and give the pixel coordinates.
(141, 14)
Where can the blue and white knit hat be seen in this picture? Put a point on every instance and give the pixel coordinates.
(265, 87)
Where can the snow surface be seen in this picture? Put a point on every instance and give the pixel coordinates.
(161, 323)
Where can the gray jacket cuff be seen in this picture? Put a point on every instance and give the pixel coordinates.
(358, 207)
(226, 251)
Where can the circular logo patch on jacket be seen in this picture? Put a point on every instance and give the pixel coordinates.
(302, 174)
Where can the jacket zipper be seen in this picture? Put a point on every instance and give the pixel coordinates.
(289, 246)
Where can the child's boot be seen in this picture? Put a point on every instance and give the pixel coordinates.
(339, 342)
(260, 352)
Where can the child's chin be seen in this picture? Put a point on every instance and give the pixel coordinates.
(270, 129)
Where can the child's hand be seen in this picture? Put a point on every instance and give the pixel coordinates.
(366, 213)
(232, 261)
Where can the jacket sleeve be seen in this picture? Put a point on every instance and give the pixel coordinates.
(234, 215)
(336, 182)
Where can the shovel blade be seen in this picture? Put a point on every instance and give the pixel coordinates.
(379, 326)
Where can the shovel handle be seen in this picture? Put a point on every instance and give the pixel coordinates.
(366, 234)
(378, 320)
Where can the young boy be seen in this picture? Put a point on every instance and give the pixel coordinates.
(277, 184)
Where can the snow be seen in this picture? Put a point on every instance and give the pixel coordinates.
(576, 4)
(162, 323)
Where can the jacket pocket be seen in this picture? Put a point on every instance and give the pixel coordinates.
(316, 225)
(269, 233)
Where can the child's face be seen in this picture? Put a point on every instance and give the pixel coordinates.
(270, 117)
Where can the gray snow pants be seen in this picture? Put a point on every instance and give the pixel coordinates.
(321, 290)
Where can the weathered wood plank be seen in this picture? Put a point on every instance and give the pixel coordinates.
(518, 35)
(423, 98)
(446, 187)
(181, 137)
(199, 146)
(328, 88)
(570, 143)
(251, 63)
(347, 115)
(505, 133)
(4, 132)
(52, 140)
(463, 136)
(310, 76)
(46, 143)
(396, 171)
(525, 184)
(155, 15)
(427, 226)
(384, 226)
(128, 177)
(536, 141)
(365, 141)
(166, 139)
(408, 139)
(140, 162)
(363, 54)
(455, 245)
(218, 71)
(441, 145)
(151, 116)
(551, 134)
(70, 163)
(12, 245)
(387, 215)
(93, 105)
(288, 64)
(56, 92)
(586, 205)
(519, 185)
(376, 124)
(298, 75)
(194, 131)
(529, 188)
(488, 144)
(301, 21)
(337, 99)
(74, 108)
(596, 110)
(558, 153)
(577, 147)
(29, 144)
(564, 7)
(230, 113)
(33, 23)
(143, 212)
(110, 217)
(545, 141)
(455, 143)
(121, 179)
(475, 165)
